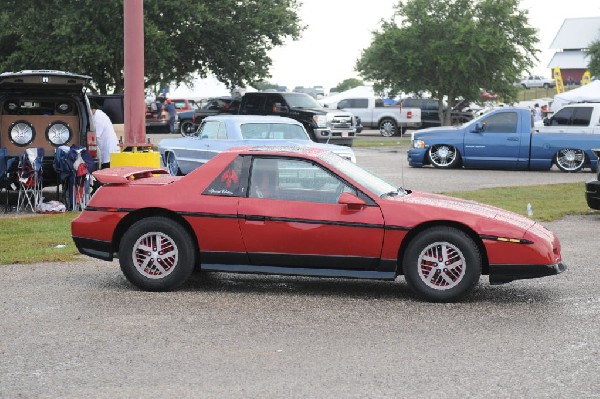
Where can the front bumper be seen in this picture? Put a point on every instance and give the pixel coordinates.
(335, 134)
(592, 194)
(416, 157)
(502, 274)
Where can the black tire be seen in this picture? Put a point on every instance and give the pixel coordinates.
(525, 87)
(186, 128)
(172, 164)
(443, 156)
(169, 261)
(433, 280)
(388, 127)
(570, 160)
(546, 86)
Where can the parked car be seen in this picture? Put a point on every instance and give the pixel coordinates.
(537, 81)
(184, 104)
(258, 210)
(504, 138)
(390, 120)
(221, 132)
(45, 109)
(430, 116)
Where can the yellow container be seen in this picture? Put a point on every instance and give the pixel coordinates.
(135, 158)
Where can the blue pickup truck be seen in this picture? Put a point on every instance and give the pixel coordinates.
(504, 138)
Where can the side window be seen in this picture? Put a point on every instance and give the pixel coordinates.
(344, 104)
(254, 103)
(294, 180)
(562, 117)
(360, 103)
(213, 130)
(505, 122)
(582, 116)
(228, 182)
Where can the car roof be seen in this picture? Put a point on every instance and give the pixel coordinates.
(303, 151)
(228, 118)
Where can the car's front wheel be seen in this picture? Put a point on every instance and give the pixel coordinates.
(187, 128)
(442, 264)
(388, 127)
(570, 160)
(443, 156)
(173, 165)
(157, 254)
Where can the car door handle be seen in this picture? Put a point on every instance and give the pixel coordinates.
(512, 139)
(255, 218)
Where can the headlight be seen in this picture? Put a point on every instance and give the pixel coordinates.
(21, 133)
(320, 120)
(58, 133)
(418, 144)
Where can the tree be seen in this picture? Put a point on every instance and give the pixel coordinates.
(451, 49)
(594, 54)
(348, 84)
(228, 38)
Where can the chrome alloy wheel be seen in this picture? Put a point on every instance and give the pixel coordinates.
(155, 255)
(441, 266)
(443, 156)
(570, 160)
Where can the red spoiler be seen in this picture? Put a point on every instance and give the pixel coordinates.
(125, 174)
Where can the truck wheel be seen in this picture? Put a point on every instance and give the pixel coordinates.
(546, 86)
(187, 128)
(442, 264)
(525, 87)
(570, 160)
(443, 156)
(388, 127)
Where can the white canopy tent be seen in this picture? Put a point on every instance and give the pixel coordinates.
(589, 92)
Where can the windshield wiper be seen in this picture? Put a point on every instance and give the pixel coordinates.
(398, 191)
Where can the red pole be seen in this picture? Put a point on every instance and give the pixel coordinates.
(135, 111)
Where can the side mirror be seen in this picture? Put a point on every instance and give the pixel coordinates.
(547, 121)
(351, 201)
(479, 127)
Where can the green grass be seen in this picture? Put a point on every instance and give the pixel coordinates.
(549, 202)
(38, 238)
(402, 141)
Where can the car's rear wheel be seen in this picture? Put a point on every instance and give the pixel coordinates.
(442, 264)
(570, 160)
(388, 127)
(187, 128)
(546, 86)
(173, 165)
(157, 254)
(443, 156)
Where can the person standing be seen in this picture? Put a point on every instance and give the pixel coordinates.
(537, 113)
(170, 107)
(106, 137)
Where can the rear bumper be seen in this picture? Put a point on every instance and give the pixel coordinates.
(501, 274)
(592, 194)
(95, 248)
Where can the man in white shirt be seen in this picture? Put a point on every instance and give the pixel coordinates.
(106, 138)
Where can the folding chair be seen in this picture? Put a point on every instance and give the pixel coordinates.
(30, 179)
(7, 175)
(74, 166)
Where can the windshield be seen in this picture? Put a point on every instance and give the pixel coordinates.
(373, 183)
(299, 100)
(273, 131)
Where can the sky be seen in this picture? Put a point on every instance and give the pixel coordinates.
(337, 31)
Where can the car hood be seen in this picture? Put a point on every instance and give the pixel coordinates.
(434, 206)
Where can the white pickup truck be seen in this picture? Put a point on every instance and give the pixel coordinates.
(573, 118)
(390, 120)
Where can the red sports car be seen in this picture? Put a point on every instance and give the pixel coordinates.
(299, 211)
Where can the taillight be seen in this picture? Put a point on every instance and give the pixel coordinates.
(92, 147)
(409, 114)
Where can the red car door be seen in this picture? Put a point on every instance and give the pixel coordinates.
(292, 218)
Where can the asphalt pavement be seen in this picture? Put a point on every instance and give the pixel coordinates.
(79, 329)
